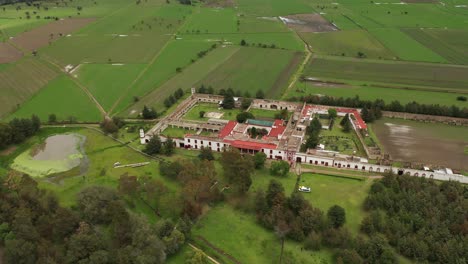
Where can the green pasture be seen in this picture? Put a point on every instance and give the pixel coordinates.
(107, 82)
(282, 40)
(405, 47)
(373, 92)
(20, 80)
(242, 237)
(211, 20)
(435, 77)
(194, 113)
(262, 113)
(274, 7)
(178, 53)
(187, 78)
(252, 24)
(450, 44)
(63, 98)
(242, 71)
(347, 43)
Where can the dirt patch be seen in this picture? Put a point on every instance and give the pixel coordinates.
(416, 142)
(7, 151)
(216, 115)
(283, 78)
(308, 23)
(321, 83)
(219, 3)
(9, 53)
(419, 1)
(42, 36)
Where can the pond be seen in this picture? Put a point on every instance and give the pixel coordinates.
(58, 153)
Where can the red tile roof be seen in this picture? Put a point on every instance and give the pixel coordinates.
(227, 129)
(358, 122)
(277, 129)
(251, 145)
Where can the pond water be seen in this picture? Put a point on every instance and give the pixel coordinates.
(58, 153)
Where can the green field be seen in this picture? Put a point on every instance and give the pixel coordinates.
(187, 78)
(347, 43)
(373, 92)
(241, 72)
(274, 7)
(397, 74)
(107, 82)
(63, 98)
(240, 236)
(405, 47)
(21, 80)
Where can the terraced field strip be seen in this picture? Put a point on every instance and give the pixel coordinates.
(21, 81)
(437, 45)
(424, 76)
(187, 78)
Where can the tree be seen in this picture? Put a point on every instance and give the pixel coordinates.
(206, 154)
(350, 256)
(332, 113)
(108, 126)
(237, 169)
(279, 168)
(242, 117)
(201, 114)
(336, 216)
(243, 42)
(52, 119)
(20, 251)
(275, 193)
(196, 257)
(96, 204)
(228, 102)
(154, 146)
(246, 102)
(259, 160)
(149, 113)
(260, 94)
(36, 124)
(168, 148)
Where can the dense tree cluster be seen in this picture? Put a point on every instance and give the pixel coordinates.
(149, 113)
(379, 105)
(18, 130)
(155, 146)
(112, 125)
(172, 99)
(295, 218)
(238, 169)
(199, 184)
(34, 228)
(243, 116)
(312, 133)
(346, 123)
(422, 219)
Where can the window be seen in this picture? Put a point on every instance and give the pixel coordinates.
(217, 144)
(196, 141)
(271, 151)
(201, 142)
(209, 143)
(188, 140)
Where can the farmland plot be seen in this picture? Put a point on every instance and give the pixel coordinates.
(253, 69)
(433, 76)
(20, 81)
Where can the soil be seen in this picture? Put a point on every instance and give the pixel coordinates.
(9, 53)
(308, 23)
(416, 144)
(43, 35)
(8, 151)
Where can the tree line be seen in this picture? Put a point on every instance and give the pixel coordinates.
(422, 219)
(34, 228)
(18, 130)
(375, 107)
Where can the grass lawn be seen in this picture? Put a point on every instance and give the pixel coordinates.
(194, 113)
(275, 7)
(327, 191)
(238, 234)
(347, 43)
(175, 132)
(337, 140)
(241, 72)
(262, 113)
(63, 98)
(211, 20)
